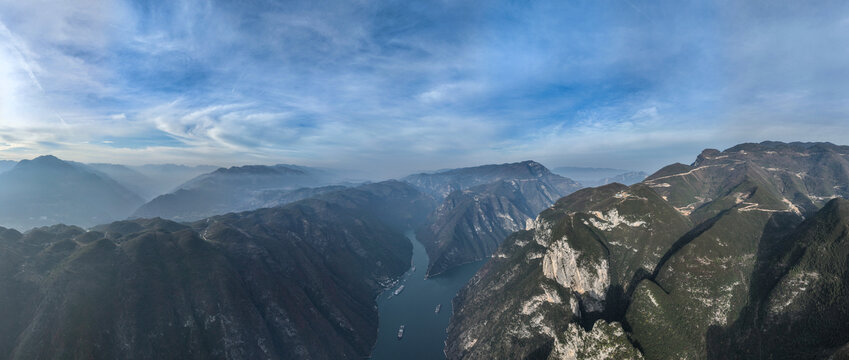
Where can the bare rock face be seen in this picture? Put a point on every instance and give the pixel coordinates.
(481, 207)
(701, 261)
(604, 341)
(585, 249)
(590, 279)
(530, 306)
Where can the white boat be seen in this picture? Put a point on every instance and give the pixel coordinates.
(438, 307)
(399, 290)
(400, 332)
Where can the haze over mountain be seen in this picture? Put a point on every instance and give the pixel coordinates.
(587, 173)
(628, 178)
(291, 282)
(133, 180)
(600, 176)
(643, 240)
(149, 181)
(495, 199)
(481, 206)
(47, 190)
(697, 261)
(441, 183)
(237, 188)
(707, 260)
(6, 165)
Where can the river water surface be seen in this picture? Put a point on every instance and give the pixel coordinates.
(424, 332)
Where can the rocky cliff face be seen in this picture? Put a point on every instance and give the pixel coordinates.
(589, 280)
(605, 341)
(681, 261)
(293, 282)
(472, 222)
(589, 248)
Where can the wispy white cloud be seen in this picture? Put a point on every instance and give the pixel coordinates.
(18, 51)
(405, 86)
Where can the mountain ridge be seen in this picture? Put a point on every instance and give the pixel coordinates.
(442, 183)
(296, 281)
(480, 206)
(48, 190)
(584, 265)
(233, 189)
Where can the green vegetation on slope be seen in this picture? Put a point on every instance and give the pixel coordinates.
(698, 261)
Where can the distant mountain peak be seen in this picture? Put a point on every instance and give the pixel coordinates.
(47, 190)
(536, 168)
(46, 158)
(530, 163)
(442, 183)
(773, 152)
(260, 170)
(783, 146)
(590, 176)
(44, 161)
(238, 188)
(532, 166)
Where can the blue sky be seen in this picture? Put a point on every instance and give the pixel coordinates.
(391, 87)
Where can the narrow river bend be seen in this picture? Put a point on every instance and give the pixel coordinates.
(424, 330)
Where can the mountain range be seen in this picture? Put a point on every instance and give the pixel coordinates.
(740, 255)
(442, 183)
(290, 278)
(297, 281)
(494, 199)
(47, 190)
(723, 258)
(588, 176)
(482, 206)
(238, 188)
(149, 181)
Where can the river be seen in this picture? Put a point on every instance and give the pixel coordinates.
(424, 332)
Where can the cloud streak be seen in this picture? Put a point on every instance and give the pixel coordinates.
(392, 87)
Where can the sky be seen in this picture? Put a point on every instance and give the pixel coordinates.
(393, 87)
